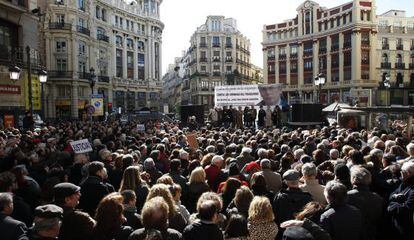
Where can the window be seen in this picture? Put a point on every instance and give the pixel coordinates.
(121, 24)
(270, 52)
(365, 57)
(282, 51)
(64, 91)
(116, 20)
(82, 48)
(130, 65)
(130, 43)
(344, 20)
(325, 26)
(119, 63)
(60, 18)
(141, 46)
(332, 23)
(81, 5)
(228, 54)
(127, 24)
(118, 40)
(216, 41)
(216, 67)
(228, 40)
(399, 59)
(61, 65)
(102, 54)
(307, 64)
(229, 69)
(98, 12)
(203, 69)
(59, 2)
(141, 66)
(216, 53)
(60, 46)
(362, 15)
(82, 22)
(103, 15)
(384, 58)
(82, 66)
(338, 22)
(350, 17)
(365, 38)
(203, 54)
(293, 49)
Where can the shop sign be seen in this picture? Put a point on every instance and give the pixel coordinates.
(10, 89)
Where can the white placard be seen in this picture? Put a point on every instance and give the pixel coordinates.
(81, 146)
(141, 127)
(247, 95)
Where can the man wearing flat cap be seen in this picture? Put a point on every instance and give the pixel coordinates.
(291, 200)
(47, 222)
(75, 224)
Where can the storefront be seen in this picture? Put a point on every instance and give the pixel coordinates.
(119, 101)
(395, 96)
(63, 108)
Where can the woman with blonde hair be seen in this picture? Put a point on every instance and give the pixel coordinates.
(110, 219)
(196, 186)
(261, 223)
(241, 201)
(176, 220)
(131, 180)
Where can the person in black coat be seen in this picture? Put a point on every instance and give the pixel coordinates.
(94, 189)
(401, 206)
(10, 228)
(340, 220)
(261, 117)
(370, 204)
(206, 228)
(133, 219)
(291, 200)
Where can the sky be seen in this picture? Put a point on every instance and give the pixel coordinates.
(182, 17)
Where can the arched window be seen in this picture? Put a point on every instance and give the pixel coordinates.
(98, 12)
(118, 40)
(130, 43)
(100, 31)
(399, 58)
(384, 58)
(400, 79)
(103, 16)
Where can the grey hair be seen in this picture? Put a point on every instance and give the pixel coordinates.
(334, 153)
(410, 148)
(298, 153)
(5, 199)
(408, 167)
(43, 224)
(360, 176)
(262, 152)
(309, 169)
(336, 193)
(377, 152)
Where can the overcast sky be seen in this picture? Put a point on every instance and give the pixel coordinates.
(182, 17)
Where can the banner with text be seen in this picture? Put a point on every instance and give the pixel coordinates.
(81, 146)
(247, 95)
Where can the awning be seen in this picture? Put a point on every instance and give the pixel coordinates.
(336, 106)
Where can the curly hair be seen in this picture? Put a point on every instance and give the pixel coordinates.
(162, 190)
(243, 199)
(260, 210)
(109, 214)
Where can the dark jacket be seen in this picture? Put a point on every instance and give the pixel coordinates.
(343, 222)
(288, 202)
(93, 190)
(121, 234)
(133, 218)
(401, 208)
(76, 225)
(202, 230)
(371, 205)
(169, 234)
(11, 229)
(22, 211)
(141, 192)
(194, 192)
(309, 230)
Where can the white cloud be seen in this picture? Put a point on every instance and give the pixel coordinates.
(182, 17)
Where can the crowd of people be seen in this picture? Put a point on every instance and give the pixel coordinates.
(235, 182)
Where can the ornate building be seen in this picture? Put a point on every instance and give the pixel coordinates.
(119, 39)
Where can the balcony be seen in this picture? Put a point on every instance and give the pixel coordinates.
(216, 59)
(400, 47)
(229, 45)
(229, 59)
(293, 55)
(84, 75)
(282, 56)
(10, 55)
(322, 50)
(386, 65)
(335, 48)
(270, 58)
(307, 52)
(103, 37)
(103, 79)
(385, 46)
(60, 74)
(271, 72)
(203, 45)
(58, 25)
(411, 66)
(216, 45)
(83, 30)
(400, 65)
(203, 59)
(21, 3)
(347, 45)
(216, 73)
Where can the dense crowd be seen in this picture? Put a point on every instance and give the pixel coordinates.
(232, 183)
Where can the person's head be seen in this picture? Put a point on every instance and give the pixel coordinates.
(167, 180)
(242, 200)
(176, 190)
(231, 186)
(131, 179)
(175, 165)
(130, 198)
(6, 203)
(97, 169)
(342, 173)
(149, 164)
(309, 171)
(217, 161)
(360, 176)
(109, 214)
(211, 196)
(198, 175)
(356, 157)
(312, 210)
(154, 214)
(66, 195)
(407, 170)
(265, 164)
(260, 210)
(335, 193)
(161, 190)
(410, 149)
(207, 211)
(7, 182)
(47, 221)
(291, 178)
(236, 227)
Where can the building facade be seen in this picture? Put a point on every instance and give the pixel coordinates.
(219, 55)
(18, 30)
(119, 39)
(172, 81)
(395, 58)
(340, 42)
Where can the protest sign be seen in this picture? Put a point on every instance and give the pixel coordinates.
(81, 146)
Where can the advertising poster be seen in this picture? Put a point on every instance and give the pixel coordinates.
(247, 95)
(97, 103)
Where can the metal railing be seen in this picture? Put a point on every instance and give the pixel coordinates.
(103, 37)
(83, 30)
(58, 25)
(103, 79)
(60, 74)
(400, 65)
(386, 65)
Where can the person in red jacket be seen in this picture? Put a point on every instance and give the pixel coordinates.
(213, 171)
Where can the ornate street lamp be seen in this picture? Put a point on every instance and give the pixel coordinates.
(319, 81)
(14, 72)
(92, 78)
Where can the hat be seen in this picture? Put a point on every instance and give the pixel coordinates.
(49, 211)
(252, 166)
(291, 175)
(63, 190)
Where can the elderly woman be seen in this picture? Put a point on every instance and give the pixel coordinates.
(261, 223)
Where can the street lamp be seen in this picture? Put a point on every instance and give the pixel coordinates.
(42, 79)
(14, 72)
(92, 78)
(319, 81)
(387, 85)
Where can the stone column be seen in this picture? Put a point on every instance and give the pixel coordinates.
(315, 58)
(356, 56)
(341, 57)
(276, 64)
(300, 65)
(288, 64)
(328, 59)
(372, 60)
(74, 100)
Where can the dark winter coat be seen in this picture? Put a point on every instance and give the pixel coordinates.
(343, 222)
(202, 230)
(93, 190)
(289, 202)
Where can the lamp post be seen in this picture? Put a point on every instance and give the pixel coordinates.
(319, 81)
(387, 85)
(92, 79)
(42, 79)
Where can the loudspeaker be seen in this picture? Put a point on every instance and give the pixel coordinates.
(192, 110)
(306, 112)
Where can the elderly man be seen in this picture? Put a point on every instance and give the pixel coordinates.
(370, 204)
(273, 179)
(213, 172)
(311, 184)
(47, 222)
(401, 205)
(410, 151)
(10, 228)
(244, 157)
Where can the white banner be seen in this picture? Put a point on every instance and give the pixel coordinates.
(141, 127)
(247, 95)
(81, 146)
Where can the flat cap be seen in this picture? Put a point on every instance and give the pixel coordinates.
(291, 175)
(49, 211)
(63, 190)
